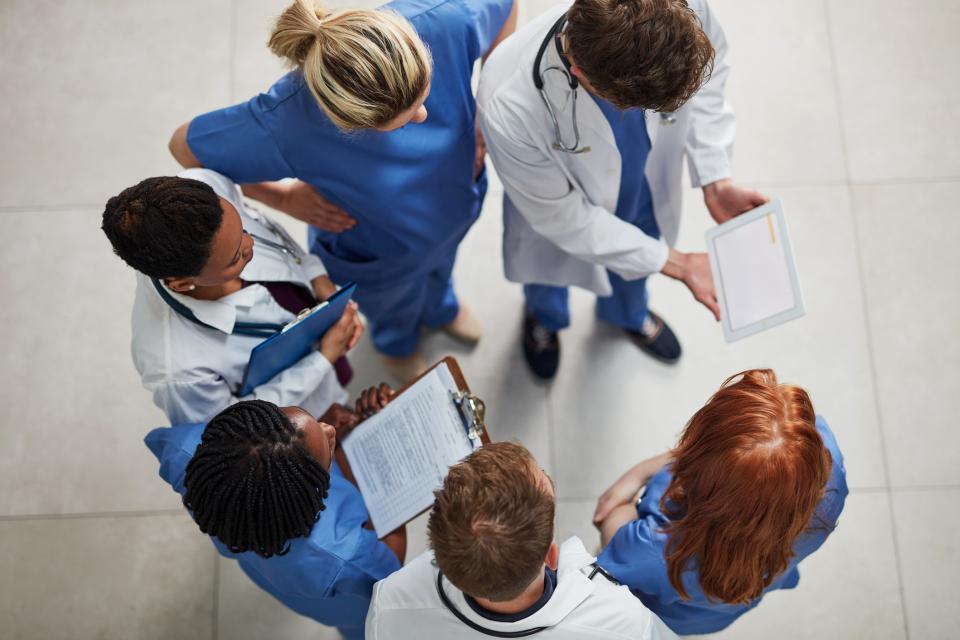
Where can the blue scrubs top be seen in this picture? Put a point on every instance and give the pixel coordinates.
(411, 190)
(634, 201)
(327, 576)
(635, 555)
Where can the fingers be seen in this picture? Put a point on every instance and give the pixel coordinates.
(710, 302)
(384, 394)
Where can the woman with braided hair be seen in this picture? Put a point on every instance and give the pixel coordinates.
(260, 480)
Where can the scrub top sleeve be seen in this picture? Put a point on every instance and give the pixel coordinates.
(372, 561)
(169, 446)
(488, 18)
(634, 556)
(234, 141)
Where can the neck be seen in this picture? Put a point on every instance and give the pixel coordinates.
(521, 603)
(215, 292)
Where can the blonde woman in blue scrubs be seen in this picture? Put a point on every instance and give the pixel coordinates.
(377, 123)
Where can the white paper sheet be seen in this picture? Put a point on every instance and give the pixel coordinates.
(400, 456)
(754, 272)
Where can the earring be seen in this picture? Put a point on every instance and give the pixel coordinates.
(191, 287)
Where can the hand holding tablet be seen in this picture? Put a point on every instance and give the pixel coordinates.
(754, 272)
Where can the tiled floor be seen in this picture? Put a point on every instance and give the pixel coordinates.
(847, 111)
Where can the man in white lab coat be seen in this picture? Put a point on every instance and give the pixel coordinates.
(588, 112)
(495, 569)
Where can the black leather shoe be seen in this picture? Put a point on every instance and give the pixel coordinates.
(541, 348)
(657, 339)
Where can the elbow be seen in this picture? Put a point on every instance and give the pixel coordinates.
(180, 150)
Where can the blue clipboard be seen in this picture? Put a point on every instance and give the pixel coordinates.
(280, 351)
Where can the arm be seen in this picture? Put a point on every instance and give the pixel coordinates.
(712, 131)
(294, 197)
(509, 26)
(556, 210)
(627, 487)
(562, 214)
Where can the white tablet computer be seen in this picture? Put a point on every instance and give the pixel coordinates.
(754, 272)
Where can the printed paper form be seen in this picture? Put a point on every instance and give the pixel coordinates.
(400, 456)
(754, 273)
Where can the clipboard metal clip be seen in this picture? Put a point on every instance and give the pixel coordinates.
(472, 411)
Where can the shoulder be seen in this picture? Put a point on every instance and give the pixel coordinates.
(613, 609)
(221, 184)
(834, 498)
(413, 586)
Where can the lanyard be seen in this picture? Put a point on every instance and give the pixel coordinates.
(258, 329)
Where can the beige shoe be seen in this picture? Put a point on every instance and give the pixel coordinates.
(407, 369)
(465, 327)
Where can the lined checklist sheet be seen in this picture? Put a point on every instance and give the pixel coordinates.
(400, 456)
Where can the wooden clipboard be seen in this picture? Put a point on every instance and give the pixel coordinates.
(463, 388)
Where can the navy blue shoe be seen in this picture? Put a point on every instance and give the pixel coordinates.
(541, 348)
(657, 339)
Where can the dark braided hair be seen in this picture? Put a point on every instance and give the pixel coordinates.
(164, 227)
(252, 483)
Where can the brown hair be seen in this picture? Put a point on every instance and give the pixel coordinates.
(651, 54)
(364, 67)
(748, 474)
(492, 523)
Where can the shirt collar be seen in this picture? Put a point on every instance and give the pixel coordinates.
(220, 314)
(549, 584)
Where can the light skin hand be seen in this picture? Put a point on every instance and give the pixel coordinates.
(300, 200)
(323, 287)
(481, 153)
(726, 200)
(627, 486)
(693, 270)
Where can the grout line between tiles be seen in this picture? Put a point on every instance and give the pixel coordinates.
(835, 76)
(93, 514)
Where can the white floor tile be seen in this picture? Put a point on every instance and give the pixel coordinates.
(100, 86)
(927, 522)
(908, 236)
(782, 90)
(73, 400)
(896, 65)
(94, 578)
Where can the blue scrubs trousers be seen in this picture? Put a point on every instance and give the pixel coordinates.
(396, 310)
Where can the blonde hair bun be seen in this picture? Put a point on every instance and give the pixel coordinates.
(363, 67)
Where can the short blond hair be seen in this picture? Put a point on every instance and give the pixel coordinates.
(363, 67)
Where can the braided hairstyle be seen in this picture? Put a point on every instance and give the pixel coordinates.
(252, 482)
(164, 227)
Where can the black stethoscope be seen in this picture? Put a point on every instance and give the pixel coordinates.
(559, 145)
(597, 570)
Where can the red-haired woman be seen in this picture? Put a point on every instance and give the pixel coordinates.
(755, 485)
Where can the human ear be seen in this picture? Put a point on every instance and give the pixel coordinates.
(180, 285)
(553, 556)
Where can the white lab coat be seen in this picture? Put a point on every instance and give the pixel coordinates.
(559, 222)
(406, 605)
(193, 372)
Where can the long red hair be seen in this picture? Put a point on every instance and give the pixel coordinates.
(748, 473)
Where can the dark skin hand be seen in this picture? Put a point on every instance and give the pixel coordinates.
(344, 421)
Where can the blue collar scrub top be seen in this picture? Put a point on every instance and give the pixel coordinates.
(635, 555)
(411, 190)
(328, 575)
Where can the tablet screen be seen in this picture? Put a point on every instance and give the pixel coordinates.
(754, 271)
